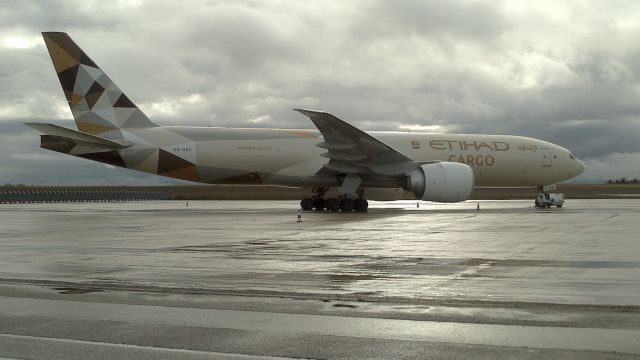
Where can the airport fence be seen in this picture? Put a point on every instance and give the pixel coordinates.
(23, 196)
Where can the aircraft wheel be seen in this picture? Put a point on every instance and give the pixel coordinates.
(361, 205)
(319, 204)
(306, 204)
(346, 205)
(332, 204)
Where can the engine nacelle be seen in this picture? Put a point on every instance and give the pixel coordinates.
(442, 182)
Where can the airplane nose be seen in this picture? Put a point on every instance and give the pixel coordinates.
(579, 167)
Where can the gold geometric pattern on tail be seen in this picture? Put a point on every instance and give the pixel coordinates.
(96, 102)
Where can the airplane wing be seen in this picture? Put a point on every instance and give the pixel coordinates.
(76, 136)
(351, 151)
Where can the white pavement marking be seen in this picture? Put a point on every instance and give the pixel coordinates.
(72, 349)
(590, 339)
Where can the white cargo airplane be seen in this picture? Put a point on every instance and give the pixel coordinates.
(436, 167)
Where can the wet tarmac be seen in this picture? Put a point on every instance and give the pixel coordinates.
(243, 279)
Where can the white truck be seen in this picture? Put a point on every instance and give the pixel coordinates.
(549, 199)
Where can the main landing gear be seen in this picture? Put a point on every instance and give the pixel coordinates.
(344, 204)
(334, 204)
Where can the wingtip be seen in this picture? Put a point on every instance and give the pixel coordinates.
(302, 111)
(308, 112)
(49, 33)
(34, 126)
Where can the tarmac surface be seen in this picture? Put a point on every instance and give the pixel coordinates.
(245, 280)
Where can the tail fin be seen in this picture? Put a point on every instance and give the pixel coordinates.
(97, 103)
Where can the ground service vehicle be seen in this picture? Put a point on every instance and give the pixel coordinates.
(549, 200)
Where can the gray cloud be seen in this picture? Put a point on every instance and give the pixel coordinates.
(444, 20)
(563, 72)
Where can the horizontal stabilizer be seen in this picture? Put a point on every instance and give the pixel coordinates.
(76, 136)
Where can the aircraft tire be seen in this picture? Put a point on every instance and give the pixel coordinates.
(346, 205)
(319, 204)
(332, 205)
(361, 205)
(306, 204)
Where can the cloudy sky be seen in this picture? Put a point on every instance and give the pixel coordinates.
(566, 72)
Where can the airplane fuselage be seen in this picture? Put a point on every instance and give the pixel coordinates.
(290, 157)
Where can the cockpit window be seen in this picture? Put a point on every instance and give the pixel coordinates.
(572, 156)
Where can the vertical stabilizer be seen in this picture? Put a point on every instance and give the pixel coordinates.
(97, 103)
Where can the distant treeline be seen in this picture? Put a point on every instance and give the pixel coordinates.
(623, 181)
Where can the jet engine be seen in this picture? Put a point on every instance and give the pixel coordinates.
(442, 182)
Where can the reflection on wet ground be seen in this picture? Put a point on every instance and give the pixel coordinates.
(517, 281)
(585, 253)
